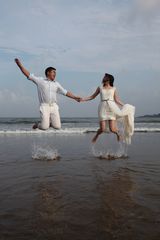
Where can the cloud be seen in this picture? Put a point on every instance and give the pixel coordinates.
(9, 96)
(148, 6)
(15, 103)
(145, 12)
(86, 36)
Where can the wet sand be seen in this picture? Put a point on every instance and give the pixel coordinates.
(79, 196)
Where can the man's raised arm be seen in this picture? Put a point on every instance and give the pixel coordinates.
(23, 70)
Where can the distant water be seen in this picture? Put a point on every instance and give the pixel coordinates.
(71, 125)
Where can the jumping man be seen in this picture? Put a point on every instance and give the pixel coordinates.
(47, 90)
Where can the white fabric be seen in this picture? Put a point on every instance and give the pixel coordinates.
(49, 116)
(107, 93)
(109, 110)
(127, 113)
(47, 89)
(104, 111)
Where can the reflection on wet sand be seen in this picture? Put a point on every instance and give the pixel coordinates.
(103, 211)
(121, 217)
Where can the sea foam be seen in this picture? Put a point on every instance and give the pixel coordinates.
(110, 154)
(67, 131)
(44, 153)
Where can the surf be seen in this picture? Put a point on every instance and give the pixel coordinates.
(121, 152)
(44, 153)
(68, 131)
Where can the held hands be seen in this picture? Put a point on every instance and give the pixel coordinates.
(82, 100)
(79, 99)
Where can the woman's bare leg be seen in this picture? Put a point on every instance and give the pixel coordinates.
(114, 129)
(102, 127)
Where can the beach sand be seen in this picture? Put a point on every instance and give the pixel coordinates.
(76, 194)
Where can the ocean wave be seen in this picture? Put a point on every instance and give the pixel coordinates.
(67, 131)
(72, 120)
(145, 129)
(12, 121)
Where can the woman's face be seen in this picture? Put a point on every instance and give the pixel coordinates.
(105, 79)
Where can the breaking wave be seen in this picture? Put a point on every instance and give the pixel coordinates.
(68, 131)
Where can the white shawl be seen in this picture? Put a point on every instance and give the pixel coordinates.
(127, 114)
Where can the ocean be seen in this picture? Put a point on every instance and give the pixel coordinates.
(55, 184)
(72, 125)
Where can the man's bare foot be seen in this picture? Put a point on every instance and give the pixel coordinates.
(35, 126)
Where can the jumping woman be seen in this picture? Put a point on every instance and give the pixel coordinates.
(107, 93)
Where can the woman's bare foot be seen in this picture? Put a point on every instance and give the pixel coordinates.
(35, 126)
(94, 139)
(119, 137)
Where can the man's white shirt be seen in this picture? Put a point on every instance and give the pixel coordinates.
(47, 89)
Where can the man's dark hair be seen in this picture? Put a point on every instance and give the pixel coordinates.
(49, 69)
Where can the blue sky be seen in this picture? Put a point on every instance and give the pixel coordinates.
(83, 40)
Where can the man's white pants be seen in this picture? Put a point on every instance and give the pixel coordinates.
(49, 116)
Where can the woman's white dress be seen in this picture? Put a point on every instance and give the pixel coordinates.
(109, 110)
(104, 111)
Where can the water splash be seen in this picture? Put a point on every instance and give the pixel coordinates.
(120, 153)
(45, 153)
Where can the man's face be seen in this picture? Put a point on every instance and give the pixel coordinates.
(51, 75)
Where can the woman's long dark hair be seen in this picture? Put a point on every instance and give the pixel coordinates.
(108, 78)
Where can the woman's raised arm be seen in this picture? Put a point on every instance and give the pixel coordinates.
(94, 95)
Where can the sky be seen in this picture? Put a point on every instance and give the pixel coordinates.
(83, 39)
